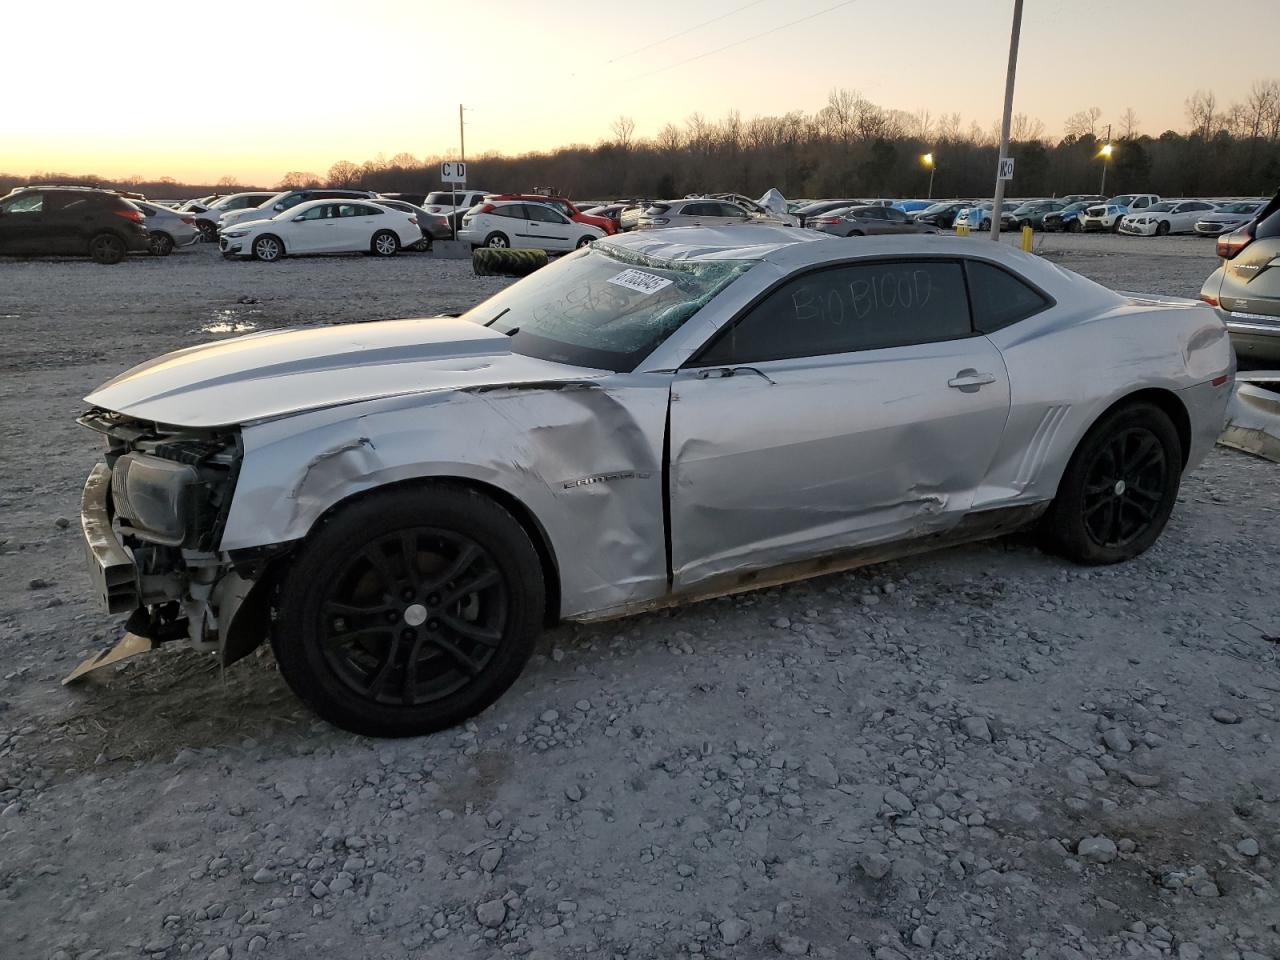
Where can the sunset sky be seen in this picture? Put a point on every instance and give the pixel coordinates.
(253, 88)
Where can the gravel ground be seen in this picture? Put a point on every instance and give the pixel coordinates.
(981, 753)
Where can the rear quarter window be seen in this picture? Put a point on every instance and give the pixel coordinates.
(999, 298)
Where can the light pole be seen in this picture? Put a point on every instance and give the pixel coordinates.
(1105, 154)
(997, 206)
(927, 160)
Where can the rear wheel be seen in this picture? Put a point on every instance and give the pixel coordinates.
(161, 244)
(267, 248)
(1119, 488)
(584, 241)
(385, 244)
(208, 232)
(409, 611)
(496, 239)
(107, 248)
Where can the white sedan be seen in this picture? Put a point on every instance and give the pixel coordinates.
(1166, 217)
(524, 225)
(323, 226)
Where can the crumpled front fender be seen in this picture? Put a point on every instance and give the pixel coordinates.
(583, 457)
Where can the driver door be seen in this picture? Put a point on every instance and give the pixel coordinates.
(553, 229)
(853, 405)
(22, 224)
(313, 230)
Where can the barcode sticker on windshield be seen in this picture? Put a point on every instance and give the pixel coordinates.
(639, 280)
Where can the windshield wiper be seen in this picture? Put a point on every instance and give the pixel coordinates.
(501, 313)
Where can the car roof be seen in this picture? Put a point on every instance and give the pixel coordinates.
(791, 248)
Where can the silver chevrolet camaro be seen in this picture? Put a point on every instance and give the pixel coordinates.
(401, 506)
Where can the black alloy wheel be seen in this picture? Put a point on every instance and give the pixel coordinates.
(1119, 488)
(409, 611)
(414, 616)
(1124, 487)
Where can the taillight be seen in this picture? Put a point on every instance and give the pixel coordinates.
(1229, 244)
(827, 220)
(485, 208)
(1210, 300)
(189, 221)
(413, 218)
(659, 220)
(134, 215)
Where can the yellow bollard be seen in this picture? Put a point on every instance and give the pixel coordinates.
(962, 230)
(1026, 239)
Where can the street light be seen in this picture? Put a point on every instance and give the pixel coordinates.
(927, 160)
(1105, 154)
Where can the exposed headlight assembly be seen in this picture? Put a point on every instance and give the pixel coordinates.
(158, 498)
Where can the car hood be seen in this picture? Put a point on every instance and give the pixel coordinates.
(1226, 217)
(275, 374)
(245, 224)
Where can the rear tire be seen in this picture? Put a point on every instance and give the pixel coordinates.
(497, 240)
(107, 248)
(583, 241)
(208, 232)
(161, 244)
(384, 244)
(268, 248)
(1119, 488)
(452, 595)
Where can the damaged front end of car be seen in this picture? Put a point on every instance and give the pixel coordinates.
(152, 515)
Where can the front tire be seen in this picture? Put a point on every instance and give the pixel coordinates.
(107, 248)
(268, 248)
(384, 244)
(208, 232)
(497, 240)
(1075, 226)
(161, 244)
(409, 611)
(1118, 489)
(1162, 228)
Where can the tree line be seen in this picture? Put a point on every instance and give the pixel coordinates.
(848, 147)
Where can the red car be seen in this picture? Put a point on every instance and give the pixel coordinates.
(564, 205)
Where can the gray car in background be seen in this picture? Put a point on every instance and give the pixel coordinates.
(1245, 289)
(168, 228)
(207, 219)
(867, 221)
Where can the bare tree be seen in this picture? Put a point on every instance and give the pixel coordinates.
(949, 126)
(922, 125)
(1023, 129)
(297, 179)
(1202, 112)
(1083, 123)
(669, 138)
(405, 161)
(624, 129)
(344, 173)
(228, 183)
(1128, 124)
(1262, 105)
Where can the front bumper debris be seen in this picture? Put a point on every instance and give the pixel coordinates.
(130, 646)
(111, 567)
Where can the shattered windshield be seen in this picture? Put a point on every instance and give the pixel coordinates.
(606, 310)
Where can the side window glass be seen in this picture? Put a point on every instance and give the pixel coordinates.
(999, 298)
(865, 306)
(320, 212)
(730, 210)
(698, 210)
(27, 203)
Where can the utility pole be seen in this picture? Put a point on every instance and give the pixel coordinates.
(1106, 158)
(998, 204)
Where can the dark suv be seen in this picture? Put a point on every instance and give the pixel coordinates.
(78, 221)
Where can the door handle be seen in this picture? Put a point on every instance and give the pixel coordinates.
(970, 380)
